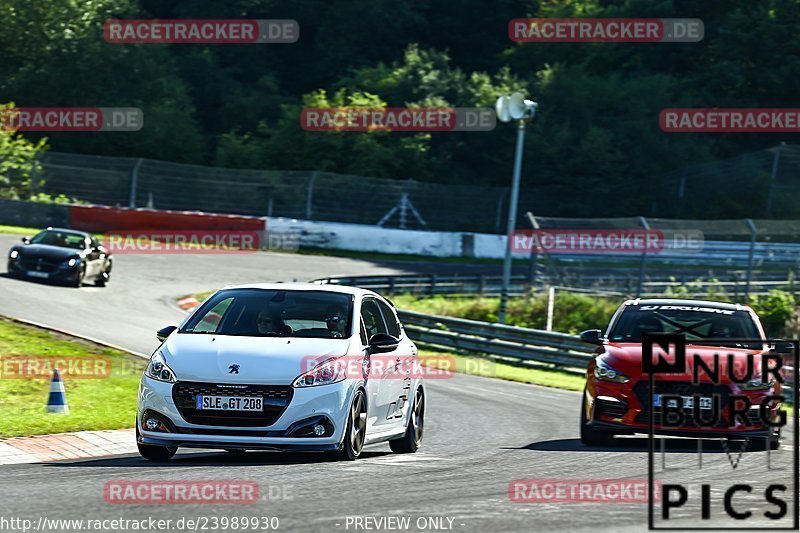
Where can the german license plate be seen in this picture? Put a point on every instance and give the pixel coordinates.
(688, 401)
(35, 274)
(228, 403)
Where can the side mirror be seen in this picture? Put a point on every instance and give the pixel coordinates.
(163, 333)
(26, 240)
(382, 343)
(592, 336)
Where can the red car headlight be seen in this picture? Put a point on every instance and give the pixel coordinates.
(604, 372)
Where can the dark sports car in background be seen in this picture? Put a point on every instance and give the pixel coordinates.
(61, 255)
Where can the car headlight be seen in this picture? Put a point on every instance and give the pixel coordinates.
(325, 373)
(158, 369)
(69, 263)
(604, 372)
(14, 254)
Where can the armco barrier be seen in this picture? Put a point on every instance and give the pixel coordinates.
(100, 218)
(511, 342)
(563, 350)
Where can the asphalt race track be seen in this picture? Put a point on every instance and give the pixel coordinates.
(480, 433)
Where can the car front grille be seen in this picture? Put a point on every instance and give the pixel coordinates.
(682, 389)
(276, 400)
(39, 265)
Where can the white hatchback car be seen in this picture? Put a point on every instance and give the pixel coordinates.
(287, 367)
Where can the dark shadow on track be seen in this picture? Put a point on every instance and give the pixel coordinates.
(36, 281)
(251, 458)
(638, 444)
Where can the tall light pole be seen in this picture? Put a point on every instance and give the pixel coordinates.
(514, 107)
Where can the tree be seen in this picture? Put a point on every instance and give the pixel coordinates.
(19, 163)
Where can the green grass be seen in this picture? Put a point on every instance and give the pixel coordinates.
(19, 230)
(99, 403)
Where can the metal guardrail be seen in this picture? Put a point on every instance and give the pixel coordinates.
(560, 349)
(432, 285)
(564, 351)
(597, 284)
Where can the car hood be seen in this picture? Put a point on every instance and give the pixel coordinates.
(627, 358)
(47, 252)
(260, 360)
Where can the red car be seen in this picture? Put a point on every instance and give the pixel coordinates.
(615, 400)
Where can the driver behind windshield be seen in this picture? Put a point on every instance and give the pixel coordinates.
(336, 321)
(268, 323)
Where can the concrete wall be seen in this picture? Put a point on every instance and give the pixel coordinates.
(319, 234)
(356, 237)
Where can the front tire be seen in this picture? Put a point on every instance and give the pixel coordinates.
(155, 453)
(409, 443)
(355, 432)
(104, 277)
(78, 281)
(589, 435)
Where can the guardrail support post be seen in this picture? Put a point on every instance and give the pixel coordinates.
(751, 254)
(775, 160)
(310, 194)
(643, 263)
(551, 303)
(134, 181)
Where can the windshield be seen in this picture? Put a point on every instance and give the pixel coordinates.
(60, 238)
(274, 313)
(697, 323)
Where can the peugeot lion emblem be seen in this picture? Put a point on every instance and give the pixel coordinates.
(233, 369)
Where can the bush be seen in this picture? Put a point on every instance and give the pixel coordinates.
(572, 312)
(775, 310)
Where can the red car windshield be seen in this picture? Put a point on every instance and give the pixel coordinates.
(698, 323)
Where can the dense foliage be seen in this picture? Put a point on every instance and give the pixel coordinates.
(238, 105)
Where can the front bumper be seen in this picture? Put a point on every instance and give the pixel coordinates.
(623, 408)
(329, 403)
(15, 268)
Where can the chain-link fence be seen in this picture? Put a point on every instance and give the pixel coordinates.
(759, 184)
(738, 257)
(307, 195)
